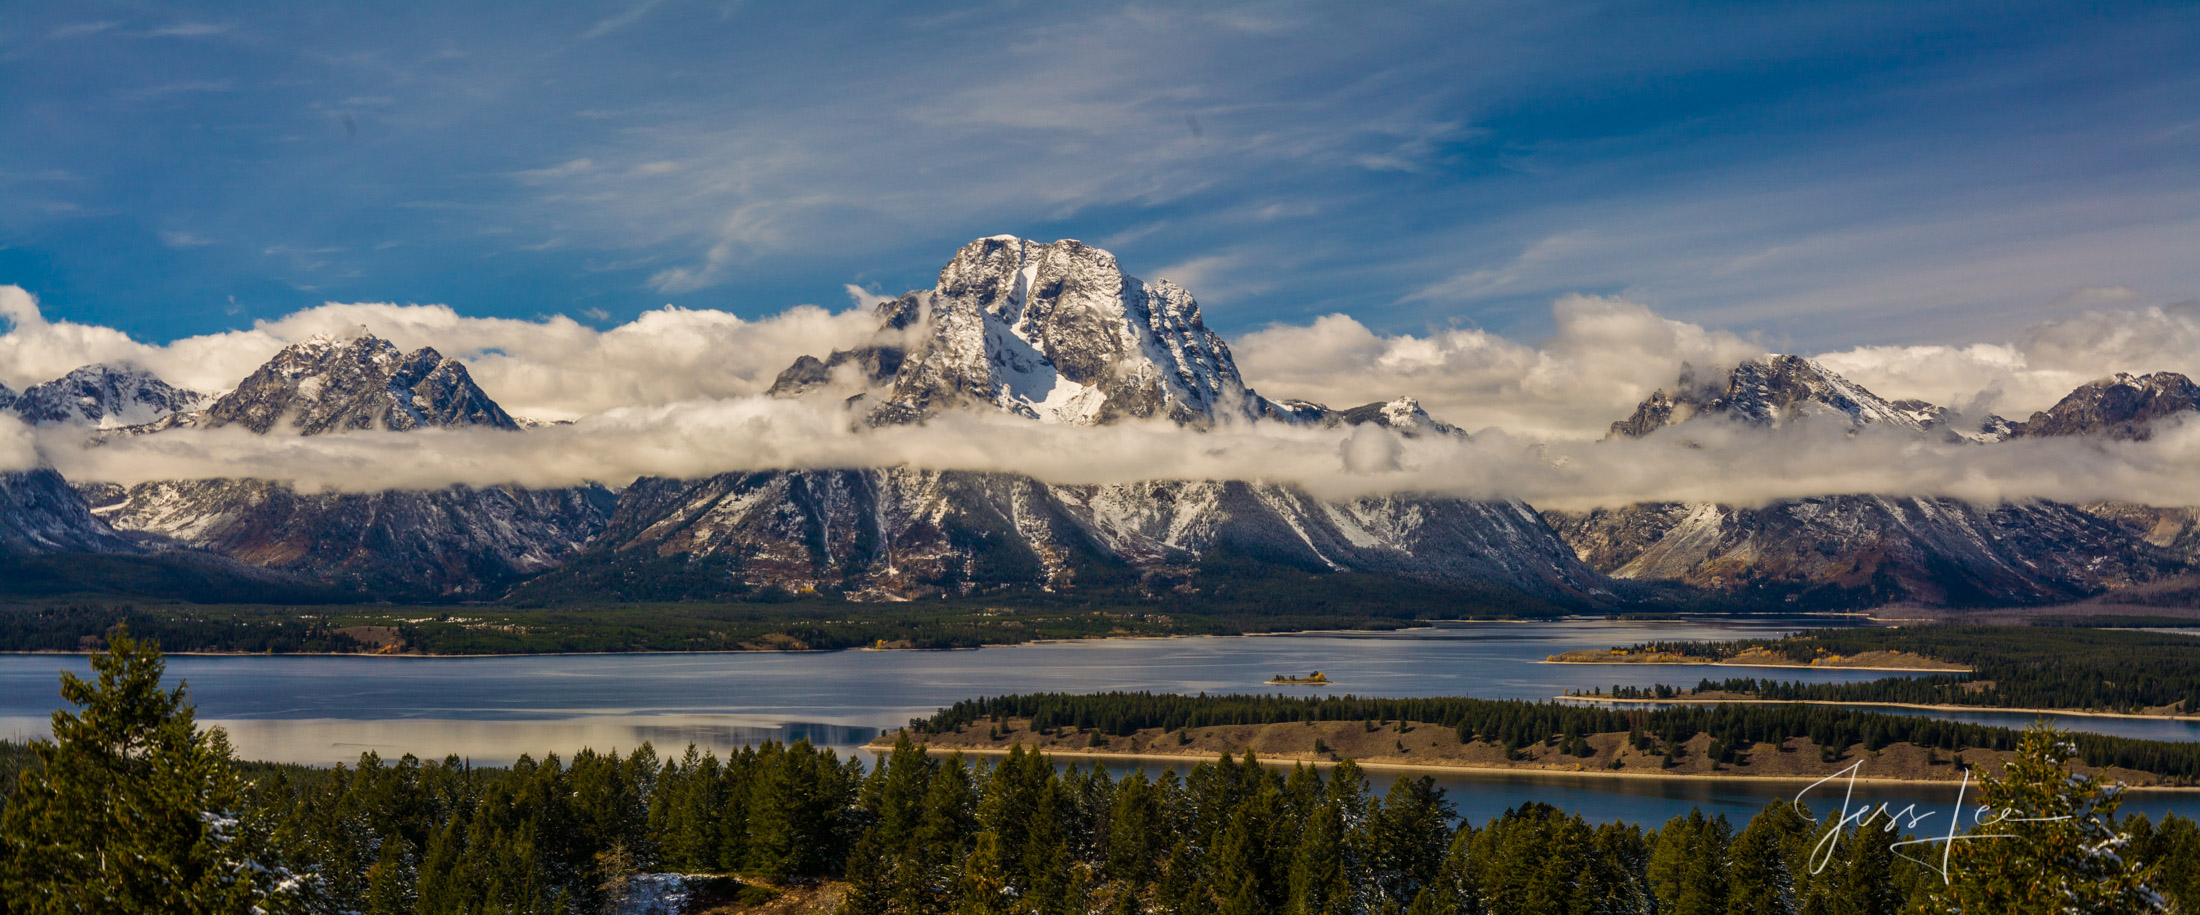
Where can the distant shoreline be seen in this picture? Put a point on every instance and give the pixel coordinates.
(1420, 625)
(1914, 670)
(1684, 700)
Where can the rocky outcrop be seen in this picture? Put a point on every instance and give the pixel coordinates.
(1056, 332)
(327, 384)
(2123, 407)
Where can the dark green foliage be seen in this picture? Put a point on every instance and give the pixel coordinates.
(811, 622)
(1515, 724)
(2049, 667)
(131, 807)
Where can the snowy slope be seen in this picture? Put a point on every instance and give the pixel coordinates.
(104, 396)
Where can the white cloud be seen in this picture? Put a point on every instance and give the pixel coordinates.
(181, 239)
(552, 368)
(1607, 355)
(2043, 363)
(691, 439)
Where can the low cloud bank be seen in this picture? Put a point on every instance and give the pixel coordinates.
(550, 369)
(675, 393)
(1703, 461)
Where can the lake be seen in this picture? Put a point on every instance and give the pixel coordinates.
(324, 710)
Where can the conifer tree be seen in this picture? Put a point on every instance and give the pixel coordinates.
(2063, 852)
(133, 808)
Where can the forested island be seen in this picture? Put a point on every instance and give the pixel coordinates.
(2032, 668)
(1786, 742)
(133, 808)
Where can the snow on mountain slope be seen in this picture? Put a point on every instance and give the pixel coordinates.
(2118, 407)
(330, 384)
(1856, 550)
(458, 541)
(103, 396)
(41, 515)
(1770, 392)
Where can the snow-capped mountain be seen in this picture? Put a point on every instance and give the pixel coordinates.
(8, 396)
(2119, 407)
(1769, 392)
(1057, 333)
(331, 384)
(1858, 550)
(1052, 331)
(458, 541)
(103, 396)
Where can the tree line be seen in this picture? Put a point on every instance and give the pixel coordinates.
(2118, 670)
(1514, 723)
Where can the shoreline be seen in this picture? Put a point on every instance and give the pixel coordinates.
(1679, 700)
(878, 748)
(1913, 670)
(1423, 626)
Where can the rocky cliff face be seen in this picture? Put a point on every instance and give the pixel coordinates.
(896, 533)
(2120, 407)
(102, 396)
(1783, 389)
(1857, 550)
(1767, 393)
(395, 544)
(1056, 332)
(1863, 551)
(328, 384)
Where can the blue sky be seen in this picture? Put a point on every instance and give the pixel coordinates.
(1818, 175)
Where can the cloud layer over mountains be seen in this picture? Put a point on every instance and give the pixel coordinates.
(679, 393)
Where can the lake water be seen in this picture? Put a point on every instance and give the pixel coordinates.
(324, 710)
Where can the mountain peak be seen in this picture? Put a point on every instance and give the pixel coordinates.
(330, 383)
(103, 395)
(1764, 392)
(2121, 406)
(1050, 330)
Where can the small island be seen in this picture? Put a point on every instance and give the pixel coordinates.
(1316, 678)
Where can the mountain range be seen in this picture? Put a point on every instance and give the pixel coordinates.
(1058, 333)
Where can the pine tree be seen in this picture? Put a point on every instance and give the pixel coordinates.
(133, 808)
(2062, 853)
(984, 889)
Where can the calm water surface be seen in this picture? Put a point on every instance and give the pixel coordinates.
(322, 710)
